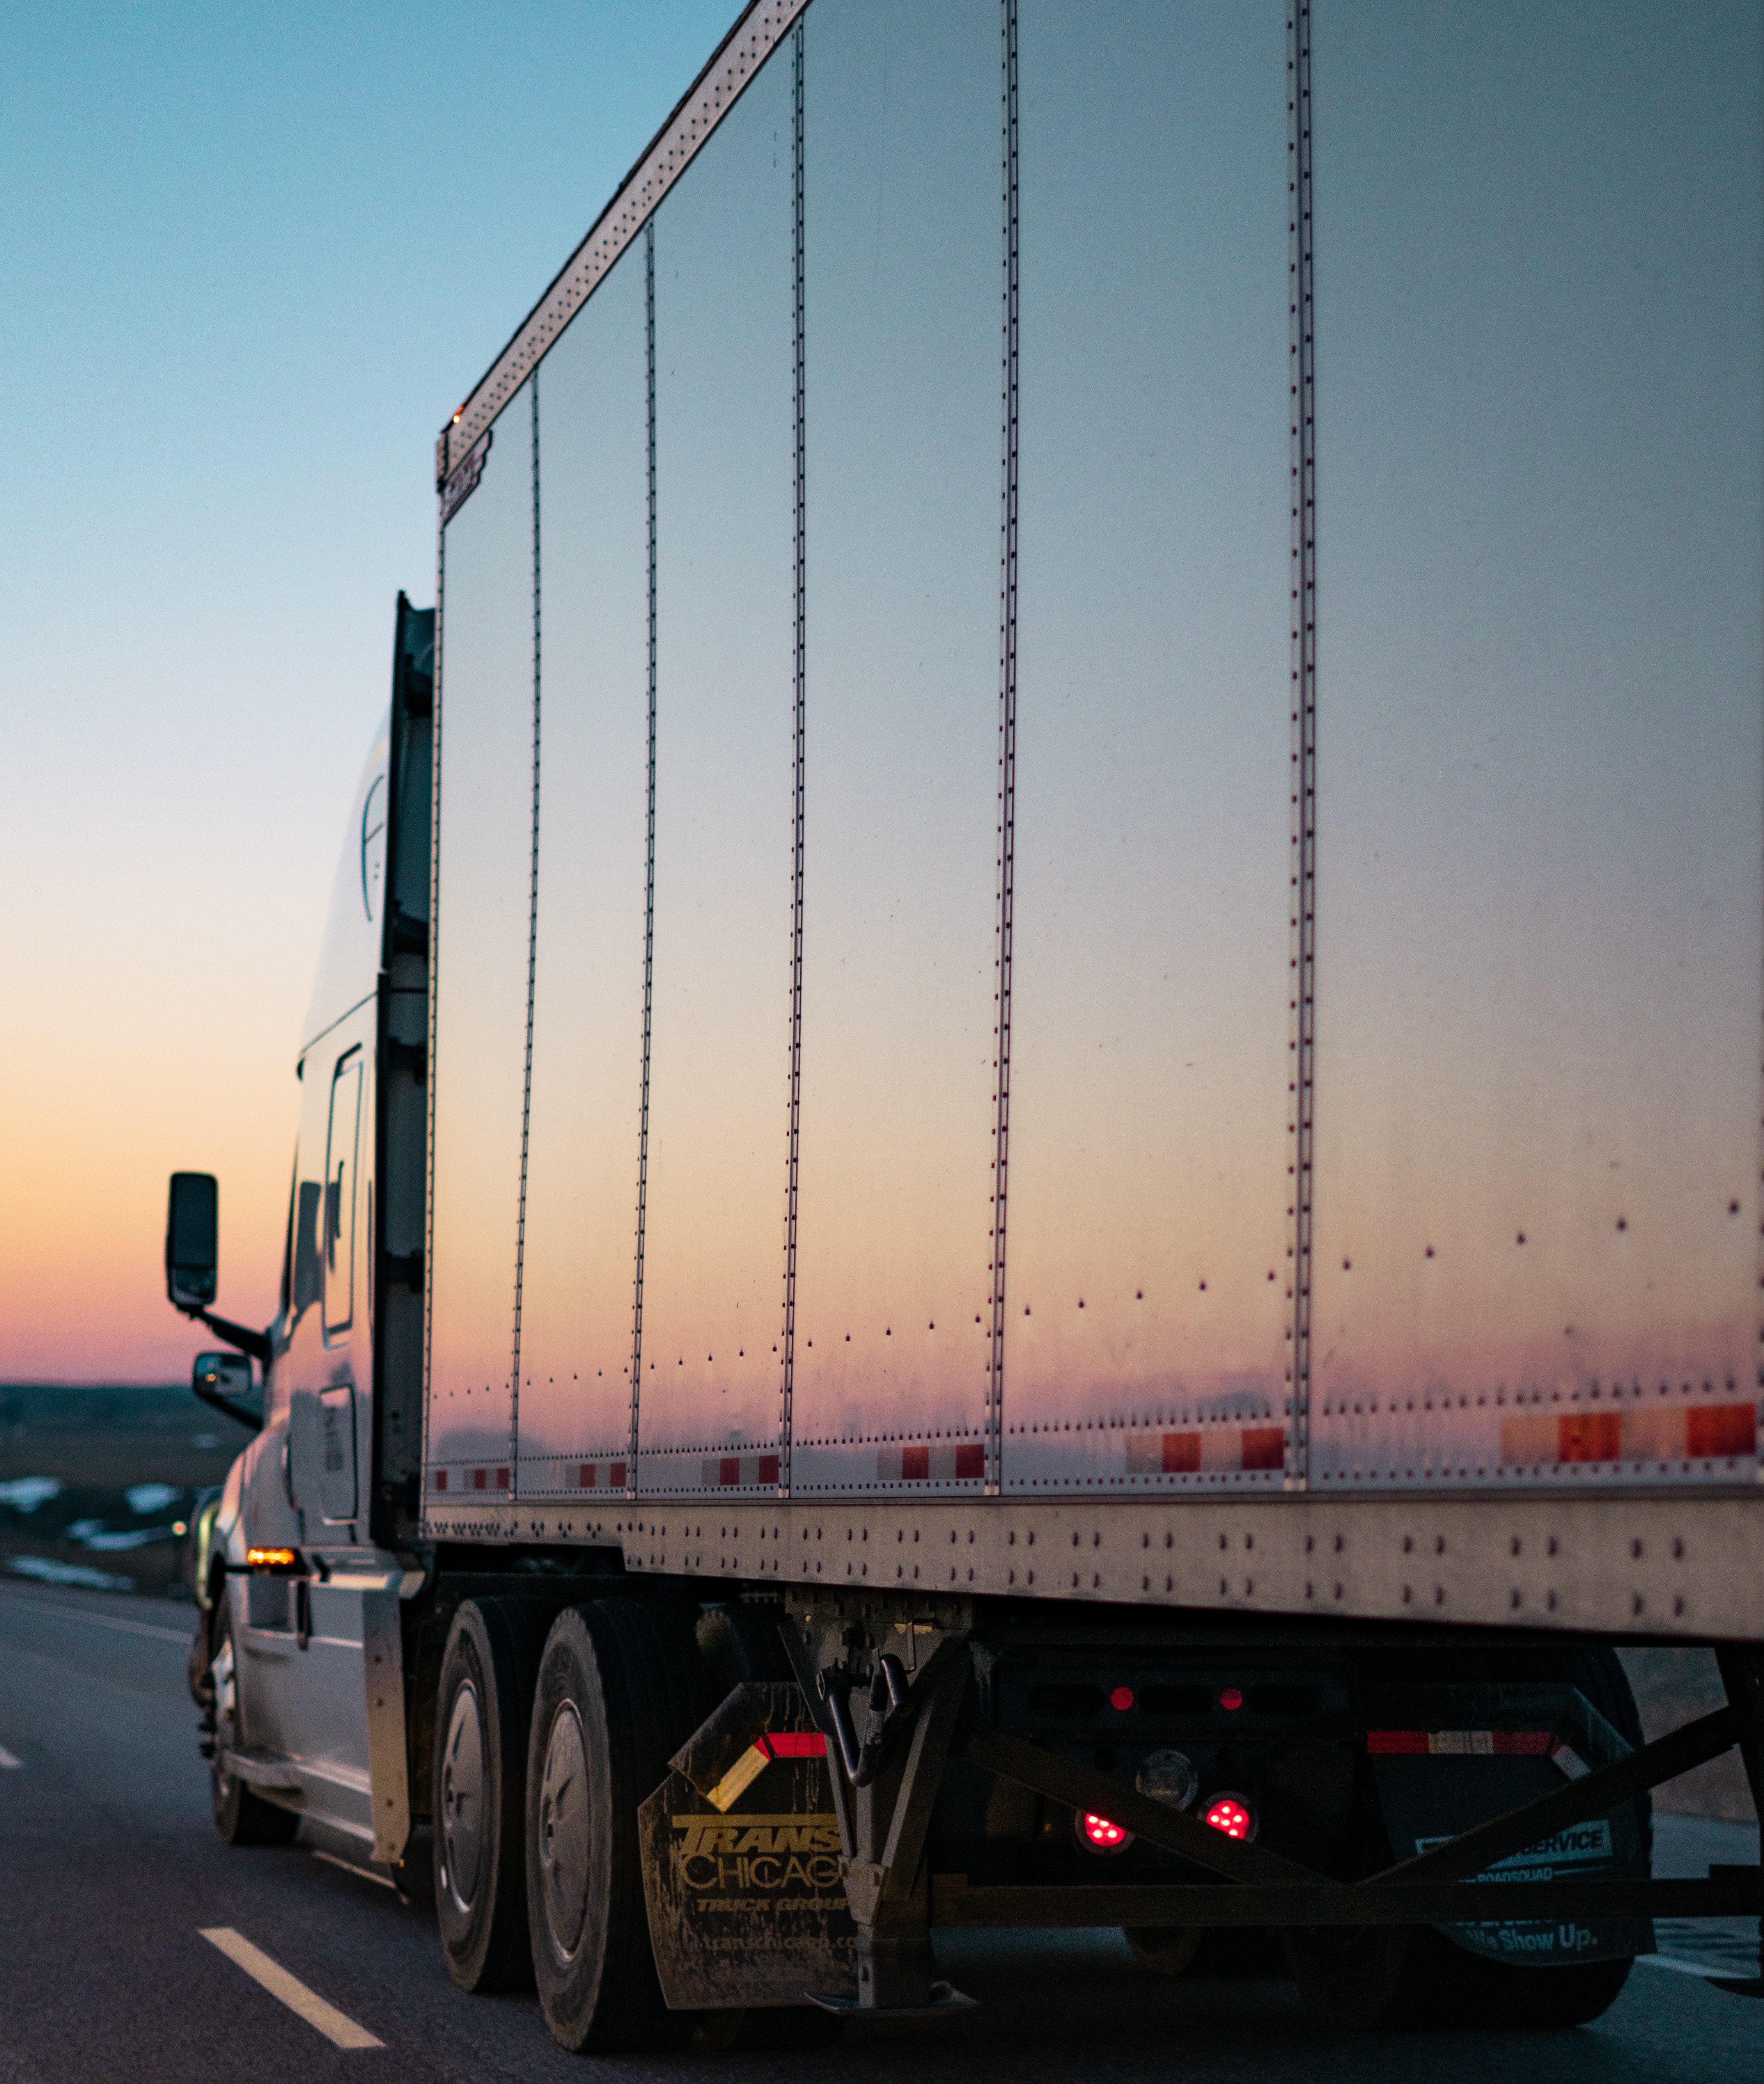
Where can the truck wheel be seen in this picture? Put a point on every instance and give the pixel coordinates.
(481, 1710)
(1395, 1976)
(1355, 1977)
(621, 1687)
(241, 1814)
(1166, 1948)
(1500, 1994)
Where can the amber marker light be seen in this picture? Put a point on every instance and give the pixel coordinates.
(180, 1526)
(272, 1559)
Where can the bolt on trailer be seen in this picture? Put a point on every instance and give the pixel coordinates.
(1028, 1188)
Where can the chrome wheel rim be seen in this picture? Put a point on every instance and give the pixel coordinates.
(563, 1831)
(462, 1800)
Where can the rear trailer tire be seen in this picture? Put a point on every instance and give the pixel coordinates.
(241, 1814)
(1509, 1995)
(483, 1704)
(1167, 1950)
(1397, 1977)
(621, 1687)
(1355, 1977)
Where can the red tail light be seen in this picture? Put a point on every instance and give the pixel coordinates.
(1122, 1699)
(1230, 1697)
(1096, 1834)
(1231, 1814)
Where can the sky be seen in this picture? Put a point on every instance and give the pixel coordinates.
(253, 258)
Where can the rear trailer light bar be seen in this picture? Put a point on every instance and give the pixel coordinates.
(1433, 1888)
(918, 1720)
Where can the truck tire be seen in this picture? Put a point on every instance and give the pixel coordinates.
(483, 1704)
(621, 1687)
(1498, 1993)
(1395, 1976)
(1167, 1950)
(241, 1814)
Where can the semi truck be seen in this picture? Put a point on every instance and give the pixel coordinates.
(1028, 1170)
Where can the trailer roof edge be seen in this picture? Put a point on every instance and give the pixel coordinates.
(757, 30)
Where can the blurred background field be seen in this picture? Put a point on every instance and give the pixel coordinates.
(98, 1486)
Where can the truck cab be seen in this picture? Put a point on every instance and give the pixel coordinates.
(304, 1561)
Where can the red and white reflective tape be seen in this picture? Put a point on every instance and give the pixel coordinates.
(1693, 1433)
(486, 1478)
(1464, 1743)
(1204, 1450)
(596, 1475)
(927, 1462)
(777, 1744)
(722, 1471)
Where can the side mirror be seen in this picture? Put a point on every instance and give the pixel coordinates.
(224, 1380)
(191, 1247)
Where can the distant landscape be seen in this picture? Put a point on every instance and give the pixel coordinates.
(98, 1486)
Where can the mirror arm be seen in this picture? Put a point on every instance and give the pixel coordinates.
(214, 1403)
(256, 1344)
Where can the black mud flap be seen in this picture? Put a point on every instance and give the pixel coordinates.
(741, 1862)
(1449, 1757)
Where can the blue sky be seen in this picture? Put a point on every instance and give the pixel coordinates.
(253, 257)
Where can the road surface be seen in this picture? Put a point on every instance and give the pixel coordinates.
(111, 1876)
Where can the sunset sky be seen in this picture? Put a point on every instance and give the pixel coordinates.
(253, 261)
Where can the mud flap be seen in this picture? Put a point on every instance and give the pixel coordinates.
(741, 1862)
(1437, 1780)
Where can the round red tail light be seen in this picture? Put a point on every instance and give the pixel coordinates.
(1096, 1834)
(1121, 1699)
(1230, 1697)
(1231, 1814)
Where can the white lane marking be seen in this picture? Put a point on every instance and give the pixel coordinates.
(336, 2026)
(7, 1759)
(1684, 1968)
(8, 1598)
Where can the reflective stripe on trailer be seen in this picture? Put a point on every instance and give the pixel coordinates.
(1465, 1743)
(778, 1744)
(720, 1470)
(488, 1478)
(1693, 1433)
(1213, 1447)
(589, 1476)
(925, 1461)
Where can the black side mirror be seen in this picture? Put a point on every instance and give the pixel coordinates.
(224, 1382)
(192, 1235)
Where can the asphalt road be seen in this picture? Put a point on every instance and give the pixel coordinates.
(110, 1873)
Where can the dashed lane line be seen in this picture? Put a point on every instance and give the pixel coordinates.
(6, 1760)
(9, 1597)
(336, 2026)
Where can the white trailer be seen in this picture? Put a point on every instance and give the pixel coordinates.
(1045, 1005)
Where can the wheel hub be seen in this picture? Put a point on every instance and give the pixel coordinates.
(462, 1800)
(563, 1831)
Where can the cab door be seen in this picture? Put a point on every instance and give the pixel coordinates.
(313, 1667)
